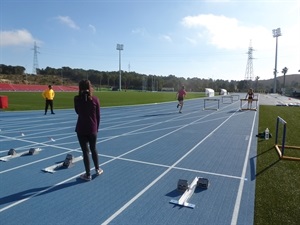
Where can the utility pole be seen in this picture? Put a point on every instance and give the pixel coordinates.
(120, 47)
(276, 34)
(249, 68)
(35, 59)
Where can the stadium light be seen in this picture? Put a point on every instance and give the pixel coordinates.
(120, 48)
(276, 34)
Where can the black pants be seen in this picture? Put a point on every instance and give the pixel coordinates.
(88, 142)
(49, 103)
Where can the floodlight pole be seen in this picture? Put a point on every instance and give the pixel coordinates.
(276, 34)
(120, 47)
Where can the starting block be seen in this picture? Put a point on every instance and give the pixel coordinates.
(189, 190)
(202, 183)
(33, 151)
(13, 154)
(182, 185)
(12, 151)
(67, 163)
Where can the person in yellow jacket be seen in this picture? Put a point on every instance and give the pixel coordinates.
(48, 95)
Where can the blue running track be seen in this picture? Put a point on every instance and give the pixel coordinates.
(144, 150)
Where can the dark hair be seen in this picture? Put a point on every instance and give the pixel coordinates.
(85, 90)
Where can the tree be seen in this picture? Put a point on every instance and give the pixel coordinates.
(284, 71)
(256, 82)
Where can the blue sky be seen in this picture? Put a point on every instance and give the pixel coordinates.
(185, 38)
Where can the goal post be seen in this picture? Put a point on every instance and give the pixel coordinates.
(281, 137)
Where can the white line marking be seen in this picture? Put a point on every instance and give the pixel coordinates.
(37, 193)
(19, 202)
(118, 212)
(181, 168)
(241, 186)
(119, 157)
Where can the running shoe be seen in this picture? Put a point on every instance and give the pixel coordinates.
(99, 171)
(85, 177)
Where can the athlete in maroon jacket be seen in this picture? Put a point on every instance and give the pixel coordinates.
(180, 96)
(87, 107)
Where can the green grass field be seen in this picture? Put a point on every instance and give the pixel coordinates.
(277, 198)
(277, 194)
(64, 100)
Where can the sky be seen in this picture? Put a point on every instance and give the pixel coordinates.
(207, 39)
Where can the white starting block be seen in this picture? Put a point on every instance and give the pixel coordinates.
(69, 161)
(190, 189)
(13, 154)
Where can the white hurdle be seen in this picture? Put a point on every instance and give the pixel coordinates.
(253, 109)
(212, 99)
(227, 97)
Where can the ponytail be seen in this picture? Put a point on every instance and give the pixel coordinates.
(85, 90)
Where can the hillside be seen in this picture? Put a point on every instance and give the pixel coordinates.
(292, 80)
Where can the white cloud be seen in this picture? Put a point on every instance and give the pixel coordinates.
(93, 28)
(224, 32)
(192, 40)
(166, 38)
(16, 37)
(140, 31)
(67, 21)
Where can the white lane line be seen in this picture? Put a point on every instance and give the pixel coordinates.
(62, 182)
(181, 168)
(23, 200)
(70, 150)
(242, 181)
(37, 193)
(124, 207)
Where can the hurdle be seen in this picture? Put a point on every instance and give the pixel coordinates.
(227, 97)
(281, 148)
(253, 100)
(235, 97)
(211, 99)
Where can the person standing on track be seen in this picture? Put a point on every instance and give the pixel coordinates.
(87, 107)
(250, 95)
(48, 95)
(180, 97)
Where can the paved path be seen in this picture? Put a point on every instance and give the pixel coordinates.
(276, 99)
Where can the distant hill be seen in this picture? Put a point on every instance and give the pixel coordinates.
(291, 80)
